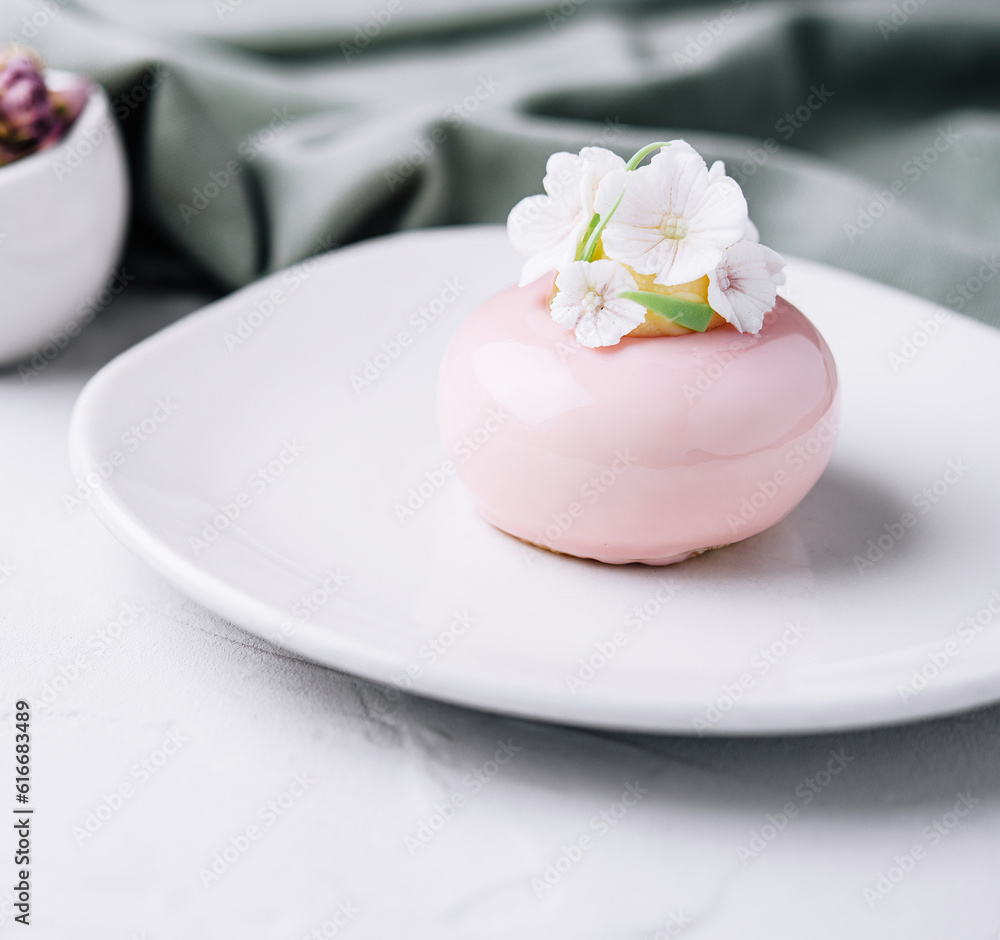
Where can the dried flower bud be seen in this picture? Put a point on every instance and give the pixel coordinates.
(32, 117)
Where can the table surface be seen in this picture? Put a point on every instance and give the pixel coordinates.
(191, 780)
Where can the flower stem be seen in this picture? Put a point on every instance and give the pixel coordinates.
(590, 246)
(586, 237)
(594, 230)
(645, 152)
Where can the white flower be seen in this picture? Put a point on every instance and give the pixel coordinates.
(744, 285)
(588, 302)
(548, 228)
(673, 221)
(716, 171)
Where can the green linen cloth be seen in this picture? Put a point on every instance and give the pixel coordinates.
(865, 133)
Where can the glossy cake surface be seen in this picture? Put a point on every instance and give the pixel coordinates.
(648, 450)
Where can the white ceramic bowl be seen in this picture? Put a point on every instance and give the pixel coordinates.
(63, 213)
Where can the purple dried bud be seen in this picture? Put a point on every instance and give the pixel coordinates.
(31, 117)
(26, 113)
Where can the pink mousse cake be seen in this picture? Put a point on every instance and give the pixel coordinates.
(644, 395)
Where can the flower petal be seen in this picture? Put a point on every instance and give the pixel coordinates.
(600, 163)
(539, 227)
(675, 217)
(547, 228)
(744, 285)
(632, 235)
(718, 170)
(587, 302)
(717, 221)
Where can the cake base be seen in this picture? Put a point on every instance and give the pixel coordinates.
(652, 562)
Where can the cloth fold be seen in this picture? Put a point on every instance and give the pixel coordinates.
(865, 134)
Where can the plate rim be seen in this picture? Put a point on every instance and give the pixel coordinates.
(314, 642)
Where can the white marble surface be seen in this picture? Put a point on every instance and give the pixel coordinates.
(195, 732)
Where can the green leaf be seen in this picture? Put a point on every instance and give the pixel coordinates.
(695, 316)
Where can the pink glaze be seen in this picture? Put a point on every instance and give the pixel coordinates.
(650, 450)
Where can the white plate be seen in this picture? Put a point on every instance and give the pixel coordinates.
(264, 415)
